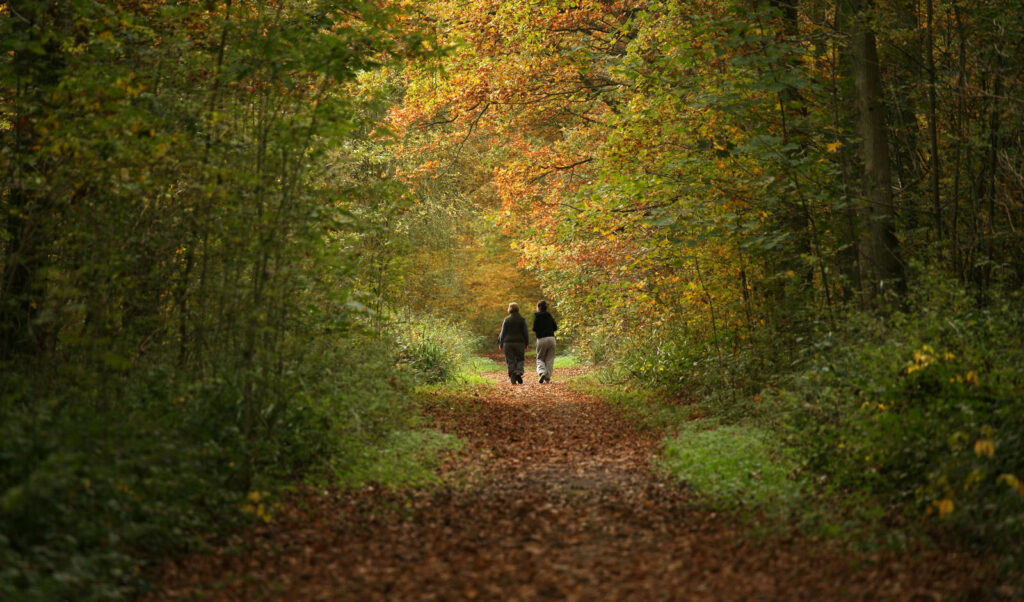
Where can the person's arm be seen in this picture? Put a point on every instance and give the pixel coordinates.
(501, 335)
(554, 325)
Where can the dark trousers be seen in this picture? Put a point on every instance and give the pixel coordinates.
(514, 354)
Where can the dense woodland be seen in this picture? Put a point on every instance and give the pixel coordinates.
(238, 233)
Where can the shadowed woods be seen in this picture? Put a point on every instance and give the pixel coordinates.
(553, 496)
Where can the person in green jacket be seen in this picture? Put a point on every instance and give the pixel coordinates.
(513, 340)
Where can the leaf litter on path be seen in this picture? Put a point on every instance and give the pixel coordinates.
(552, 497)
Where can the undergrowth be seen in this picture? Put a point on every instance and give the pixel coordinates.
(102, 470)
(436, 350)
(896, 425)
(733, 467)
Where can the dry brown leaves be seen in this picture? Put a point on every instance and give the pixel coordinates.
(552, 498)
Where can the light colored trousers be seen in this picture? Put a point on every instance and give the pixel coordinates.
(545, 356)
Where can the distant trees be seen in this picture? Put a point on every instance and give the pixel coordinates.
(803, 215)
(798, 154)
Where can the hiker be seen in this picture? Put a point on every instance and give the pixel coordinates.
(544, 326)
(513, 340)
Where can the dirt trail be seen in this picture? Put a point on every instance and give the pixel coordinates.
(557, 500)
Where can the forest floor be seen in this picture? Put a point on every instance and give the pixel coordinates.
(553, 496)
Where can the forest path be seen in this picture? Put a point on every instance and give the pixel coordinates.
(552, 497)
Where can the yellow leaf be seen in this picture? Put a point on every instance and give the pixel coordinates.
(833, 146)
(944, 506)
(975, 477)
(984, 447)
(1013, 482)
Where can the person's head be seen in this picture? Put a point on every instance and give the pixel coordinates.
(542, 305)
(513, 308)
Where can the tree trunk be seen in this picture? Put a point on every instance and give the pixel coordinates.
(844, 124)
(879, 246)
(933, 134)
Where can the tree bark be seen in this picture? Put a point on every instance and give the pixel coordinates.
(933, 134)
(879, 246)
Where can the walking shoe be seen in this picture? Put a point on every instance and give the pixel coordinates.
(541, 379)
(519, 378)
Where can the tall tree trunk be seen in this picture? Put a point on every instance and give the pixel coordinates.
(904, 90)
(992, 161)
(933, 132)
(879, 246)
(844, 124)
(959, 117)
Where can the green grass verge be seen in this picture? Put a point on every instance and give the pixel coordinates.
(567, 361)
(406, 458)
(563, 360)
(644, 406)
(477, 364)
(732, 466)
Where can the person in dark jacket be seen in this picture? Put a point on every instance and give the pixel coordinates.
(544, 326)
(513, 340)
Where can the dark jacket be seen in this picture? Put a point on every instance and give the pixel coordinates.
(513, 330)
(544, 325)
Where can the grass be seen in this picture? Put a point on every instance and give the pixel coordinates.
(732, 466)
(407, 458)
(466, 377)
(478, 363)
(645, 407)
(567, 361)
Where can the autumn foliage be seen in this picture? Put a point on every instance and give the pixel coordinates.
(721, 196)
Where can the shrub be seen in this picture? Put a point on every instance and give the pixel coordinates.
(923, 410)
(100, 471)
(433, 349)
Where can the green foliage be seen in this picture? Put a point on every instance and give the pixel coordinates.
(921, 410)
(477, 364)
(680, 361)
(733, 466)
(94, 479)
(183, 289)
(434, 349)
(87, 487)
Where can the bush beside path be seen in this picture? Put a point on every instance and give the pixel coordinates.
(553, 496)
